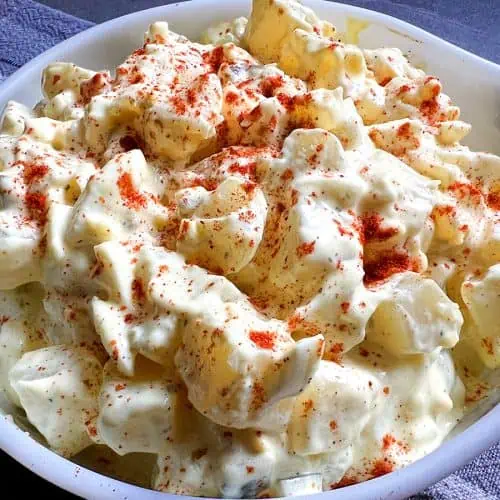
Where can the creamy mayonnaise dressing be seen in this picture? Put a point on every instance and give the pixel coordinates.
(264, 259)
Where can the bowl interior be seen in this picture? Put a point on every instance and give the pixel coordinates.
(472, 83)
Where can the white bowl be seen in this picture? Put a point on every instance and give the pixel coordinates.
(472, 82)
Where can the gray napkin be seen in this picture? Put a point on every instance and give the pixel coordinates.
(478, 480)
(28, 28)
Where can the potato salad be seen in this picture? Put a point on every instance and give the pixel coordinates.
(263, 258)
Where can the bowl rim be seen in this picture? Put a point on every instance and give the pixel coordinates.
(84, 482)
(399, 484)
(89, 33)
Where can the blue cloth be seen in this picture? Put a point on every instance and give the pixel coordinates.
(478, 480)
(28, 28)
(470, 24)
